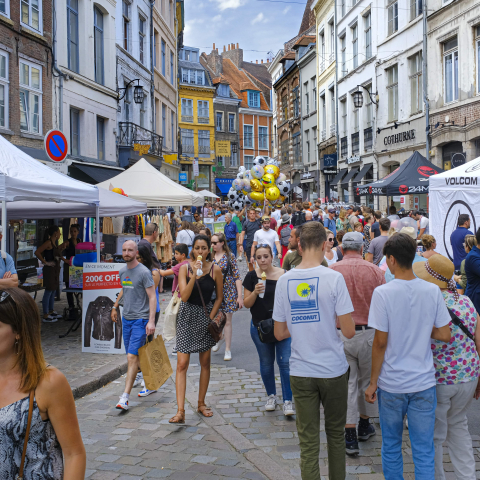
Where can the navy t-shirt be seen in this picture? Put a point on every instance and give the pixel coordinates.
(457, 238)
(375, 229)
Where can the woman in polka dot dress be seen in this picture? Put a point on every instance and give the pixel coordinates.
(232, 288)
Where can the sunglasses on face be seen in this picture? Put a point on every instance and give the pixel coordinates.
(330, 240)
(214, 243)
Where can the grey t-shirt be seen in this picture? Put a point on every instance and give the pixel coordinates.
(135, 281)
(376, 247)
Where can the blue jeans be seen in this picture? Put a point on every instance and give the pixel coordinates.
(266, 353)
(420, 408)
(232, 245)
(48, 301)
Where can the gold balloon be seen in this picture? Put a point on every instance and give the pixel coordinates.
(256, 185)
(257, 196)
(272, 193)
(273, 169)
(268, 180)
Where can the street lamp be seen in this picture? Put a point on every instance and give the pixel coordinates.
(138, 93)
(358, 97)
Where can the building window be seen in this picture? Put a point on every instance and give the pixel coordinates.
(101, 138)
(263, 138)
(143, 110)
(478, 58)
(284, 151)
(323, 125)
(164, 120)
(307, 103)
(344, 146)
(32, 13)
(355, 45)
(307, 144)
(392, 17)
(254, 99)
(368, 139)
(223, 90)
(30, 97)
(171, 67)
(333, 120)
(5, 7)
(98, 45)
(127, 100)
(285, 108)
(416, 8)
(296, 103)
(219, 122)
(155, 41)
(4, 90)
(343, 48)
(315, 142)
(187, 140)
(450, 61)
(231, 122)
(416, 87)
(332, 42)
(72, 34)
(74, 132)
(234, 159)
(314, 93)
(172, 129)
(343, 7)
(195, 77)
(248, 161)
(187, 110)
(141, 43)
(392, 90)
(248, 136)
(297, 152)
(164, 58)
(355, 120)
(368, 35)
(369, 108)
(343, 113)
(126, 25)
(322, 51)
(355, 143)
(203, 114)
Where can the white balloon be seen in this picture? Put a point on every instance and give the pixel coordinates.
(281, 178)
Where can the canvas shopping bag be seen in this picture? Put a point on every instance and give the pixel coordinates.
(154, 363)
(171, 313)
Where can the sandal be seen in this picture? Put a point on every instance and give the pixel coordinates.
(204, 410)
(178, 418)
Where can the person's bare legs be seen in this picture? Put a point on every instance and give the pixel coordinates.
(183, 360)
(228, 331)
(160, 285)
(204, 358)
(132, 370)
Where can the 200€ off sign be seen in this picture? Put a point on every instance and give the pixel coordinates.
(100, 280)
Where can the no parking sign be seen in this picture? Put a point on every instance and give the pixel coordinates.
(56, 145)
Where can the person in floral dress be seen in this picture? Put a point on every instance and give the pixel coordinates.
(457, 368)
(232, 288)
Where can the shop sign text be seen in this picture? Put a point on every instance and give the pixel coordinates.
(399, 137)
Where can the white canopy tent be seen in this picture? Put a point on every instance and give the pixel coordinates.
(23, 178)
(452, 193)
(111, 205)
(145, 183)
(206, 193)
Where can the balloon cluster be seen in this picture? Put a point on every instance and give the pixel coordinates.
(263, 182)
(120, 191)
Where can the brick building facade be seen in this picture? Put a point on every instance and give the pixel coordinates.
(26, 75)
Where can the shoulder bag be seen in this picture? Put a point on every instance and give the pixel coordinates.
(25, 442)
(456, 321)
(216, 326)
(265, 331)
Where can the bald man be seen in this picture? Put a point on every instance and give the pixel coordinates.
(151, 235)
(139, 307)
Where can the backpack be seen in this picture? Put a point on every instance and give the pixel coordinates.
(298, 219)
(285, 235)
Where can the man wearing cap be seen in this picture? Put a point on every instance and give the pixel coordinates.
(362, 278)
(8, 274)
(265, 236)
(284, 234)
(329, 222)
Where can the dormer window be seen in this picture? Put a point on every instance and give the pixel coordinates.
(253, 99)
(223, 90)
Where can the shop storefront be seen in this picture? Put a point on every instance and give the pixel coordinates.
(223, 186)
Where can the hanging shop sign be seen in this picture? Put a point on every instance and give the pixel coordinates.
(195, 167)
(101, 287)
(182, 177)
(399, 137)
(329, 162)
(141, 148)
(56, 146)
(222, 148)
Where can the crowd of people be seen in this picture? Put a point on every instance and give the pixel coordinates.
(361, 317)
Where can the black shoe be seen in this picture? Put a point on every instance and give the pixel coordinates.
(365, 432)
(351, 446)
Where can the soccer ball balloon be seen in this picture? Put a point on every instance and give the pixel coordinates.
(284, 187)
(232, 194)
(237, 205)
(261, 161)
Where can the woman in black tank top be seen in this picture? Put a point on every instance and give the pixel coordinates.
(192, 321)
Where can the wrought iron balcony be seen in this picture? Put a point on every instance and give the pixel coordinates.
(187, 118)
(204, 149)
(133, 135)
(333, 128)
(203, 120)
(188, 148)
(324, 135)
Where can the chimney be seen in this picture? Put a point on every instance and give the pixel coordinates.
(237, 46)
(233, 46)
(256, 61)
(224, 49)
(229, 45)
(213, 47)
(261, 60)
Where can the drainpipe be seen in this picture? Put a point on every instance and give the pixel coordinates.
(424, 75)
(61, 75)
(337, 126)
(152, 79)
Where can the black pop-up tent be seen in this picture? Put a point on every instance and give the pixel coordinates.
(409, 178)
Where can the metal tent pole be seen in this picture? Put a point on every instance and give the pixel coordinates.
(97, 218)
(4, 225)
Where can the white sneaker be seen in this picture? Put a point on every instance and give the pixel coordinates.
(145, 392)
(55, 314)
(288, 408)
(138, 380)
(174, 351)
(49, 319)
(122, 403)
(271, 403)
(228, 355)
(217, 346)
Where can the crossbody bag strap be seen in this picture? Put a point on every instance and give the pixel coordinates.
(456, 321)
(200, 291)
(27, 433)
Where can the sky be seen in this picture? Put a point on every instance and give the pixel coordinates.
(253, 24)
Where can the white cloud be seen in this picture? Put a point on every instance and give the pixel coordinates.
(226, 4)
(216, 18)
(286, 10)
(260, 18)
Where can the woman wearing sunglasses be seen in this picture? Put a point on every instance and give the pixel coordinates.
(262, 309)
(54, 449)
(331, 255)
(232, 288)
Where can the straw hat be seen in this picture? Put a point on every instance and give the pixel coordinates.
(410, 231)
(437, 269)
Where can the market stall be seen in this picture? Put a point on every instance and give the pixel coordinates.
(452, 193)
(206, 193)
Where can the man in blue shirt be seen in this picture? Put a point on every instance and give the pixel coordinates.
(457, 239)
(8, 274)
(472, 270)
(329, 222)
(231, 233)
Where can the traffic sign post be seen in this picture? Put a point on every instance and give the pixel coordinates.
(56, 146)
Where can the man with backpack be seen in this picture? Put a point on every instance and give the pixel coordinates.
(298, 218)
(284, 231)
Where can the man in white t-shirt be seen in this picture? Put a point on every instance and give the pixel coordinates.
(265, 236)
(422, 224)
(405, 314)
(277, 214)
(308, 301)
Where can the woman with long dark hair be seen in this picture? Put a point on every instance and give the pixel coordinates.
(197, 280)
(69, 252)
(54, 450)
(49, 254)
(232, 288)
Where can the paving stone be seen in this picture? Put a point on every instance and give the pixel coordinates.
(159, 473)
(203, 459)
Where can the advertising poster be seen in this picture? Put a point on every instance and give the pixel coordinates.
(101, 286)
(218, 227)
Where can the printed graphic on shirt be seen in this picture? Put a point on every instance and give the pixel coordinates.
(127, 283)
(302, 295)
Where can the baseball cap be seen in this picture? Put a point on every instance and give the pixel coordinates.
(170, 210)
(265, 217)
(352, 239)
(331, 210)
(258, 210)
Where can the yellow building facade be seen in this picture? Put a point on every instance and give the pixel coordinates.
(196, 119)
